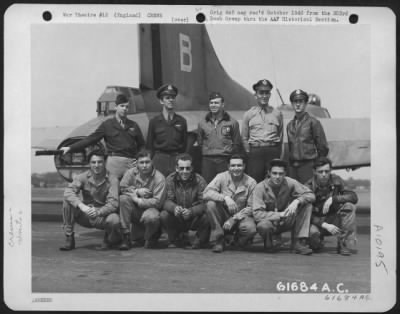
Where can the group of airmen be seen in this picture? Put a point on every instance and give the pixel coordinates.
(140, 189)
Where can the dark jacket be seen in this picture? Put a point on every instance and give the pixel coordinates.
(222, 139)
(125, 141)
(186, 194)
(335, 189)
(168, 137)
(307, 141)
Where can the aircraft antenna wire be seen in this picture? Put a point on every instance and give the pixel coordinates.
(274, 75)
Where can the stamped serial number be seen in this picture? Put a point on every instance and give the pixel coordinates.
(301, 286)
(42, 300)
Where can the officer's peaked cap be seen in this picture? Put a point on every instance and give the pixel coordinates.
(214, 95)
(167, 89)
(298, 94)
(264, 83)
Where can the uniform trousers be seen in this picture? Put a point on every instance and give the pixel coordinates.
(176, 225)
(117, 165)
(301, 171)
(345, 219)
(259, 159)
(218, 214)
(212, 165)
(72, 215)
(165, 162)
(145, 222)
(298, 222)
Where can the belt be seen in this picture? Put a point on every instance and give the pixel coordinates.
(268, 144)
(166, 152)
(119, 155)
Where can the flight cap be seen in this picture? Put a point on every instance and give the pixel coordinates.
(278, 163)
(167, 89)
(121, 99)
(214, 95)
(298, 94)
(262, 83)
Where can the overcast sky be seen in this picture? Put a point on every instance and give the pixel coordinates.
(72, 64)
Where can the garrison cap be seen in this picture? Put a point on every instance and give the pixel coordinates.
(264, 83)
(298, 94)
(214, 95)
(167, 89)
(121, 99)
(277, 163)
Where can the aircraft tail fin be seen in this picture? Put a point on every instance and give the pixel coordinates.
(183, 55)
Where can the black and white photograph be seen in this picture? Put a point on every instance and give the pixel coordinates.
(200, 158)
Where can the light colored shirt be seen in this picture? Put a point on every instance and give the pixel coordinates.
(103, 195)
(260, 126)
(266, 204)
(131, 181)
(222, 185)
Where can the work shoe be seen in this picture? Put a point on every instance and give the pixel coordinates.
(126, 242)
(172, 245)
(345, 251)
(196, 244)
(315, 242)
(105, 245)
(301, 248)
(219, 246)
(138, 243)
(69, 243)
(269, 246)
(150, 244)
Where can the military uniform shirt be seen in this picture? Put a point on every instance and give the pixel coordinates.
(103, 195)
(131, 181)
(223, 185)
(261, 127)
(167, 136)
(264, 199)
(125, 141)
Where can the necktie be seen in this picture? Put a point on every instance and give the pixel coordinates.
(122, 123)
(169, 117)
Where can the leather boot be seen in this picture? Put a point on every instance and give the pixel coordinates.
(69, 243)
(302, 248)
(126, 242)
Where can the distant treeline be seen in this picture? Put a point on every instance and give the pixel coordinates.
(47, 180)
(53, 179)
(353, 183)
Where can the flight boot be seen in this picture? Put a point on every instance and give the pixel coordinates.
(302, 248)
(219, 246)
(69, 243)
(126, 242)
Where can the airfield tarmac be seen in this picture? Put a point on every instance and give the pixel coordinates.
(163, 270)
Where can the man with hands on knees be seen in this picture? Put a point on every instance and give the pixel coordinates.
(142, 195)
(98, 206)
(184, 208)
(280, 204)
(334, 210)
(228, 196)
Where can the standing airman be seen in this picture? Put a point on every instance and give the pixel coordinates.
(262, 132)
(167, 133)
(218, 137)
(306, 139)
